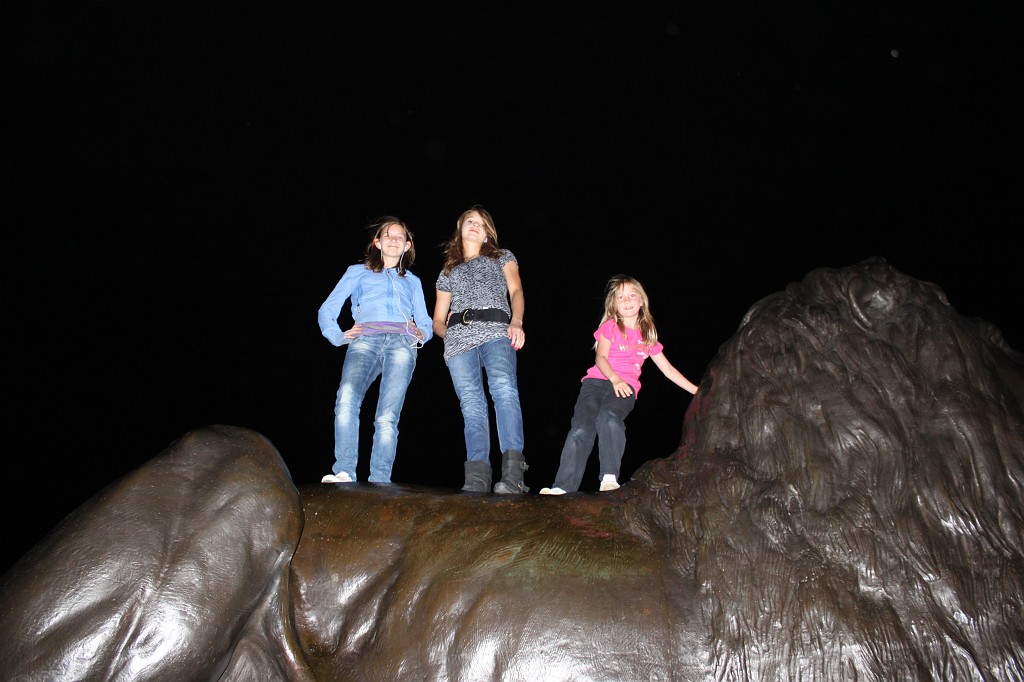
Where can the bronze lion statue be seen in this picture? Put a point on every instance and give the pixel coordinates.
(847, 503)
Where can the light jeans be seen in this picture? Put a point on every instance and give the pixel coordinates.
(600, 414)
(498, 359)
(392, 357)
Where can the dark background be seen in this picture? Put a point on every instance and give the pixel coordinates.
(185, 184)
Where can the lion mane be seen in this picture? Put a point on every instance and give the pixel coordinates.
(848, 493)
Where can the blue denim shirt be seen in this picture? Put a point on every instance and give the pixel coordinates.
(376, 297)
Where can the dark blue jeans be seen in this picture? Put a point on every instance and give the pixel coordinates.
(599, 413)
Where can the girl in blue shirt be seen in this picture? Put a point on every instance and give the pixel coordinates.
(391, 324)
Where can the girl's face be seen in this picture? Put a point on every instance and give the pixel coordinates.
(628, 303)
(474, 229)
(393, 241)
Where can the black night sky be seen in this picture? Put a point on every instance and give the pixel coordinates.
(185, 184)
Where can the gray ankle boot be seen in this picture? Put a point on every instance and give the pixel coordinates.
(478, 477)
(513, 464)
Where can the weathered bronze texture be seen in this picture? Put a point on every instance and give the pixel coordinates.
(847, 503)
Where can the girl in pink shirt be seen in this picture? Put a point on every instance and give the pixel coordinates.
(624, 340)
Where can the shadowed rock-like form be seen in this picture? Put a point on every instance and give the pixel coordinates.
(846, 504)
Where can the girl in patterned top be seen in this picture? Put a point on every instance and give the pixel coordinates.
(479, 314)
(625, 338)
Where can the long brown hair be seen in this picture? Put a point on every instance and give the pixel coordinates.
(453, 252)
(645, 321)
(375, 258)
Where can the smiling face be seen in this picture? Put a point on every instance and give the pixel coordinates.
(628, 304)
(392, 241)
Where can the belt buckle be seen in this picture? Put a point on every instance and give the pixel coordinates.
(463, 319)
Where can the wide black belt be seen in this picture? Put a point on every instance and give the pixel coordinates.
(470, 315)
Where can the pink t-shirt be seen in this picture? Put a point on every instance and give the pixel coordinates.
(626, 355)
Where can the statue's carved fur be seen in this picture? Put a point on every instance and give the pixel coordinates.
(849, 495)
(846, 503)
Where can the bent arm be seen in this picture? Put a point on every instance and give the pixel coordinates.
(330, 309)
(420, 316)
(622, 389)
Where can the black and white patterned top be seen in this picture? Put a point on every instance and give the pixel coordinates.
(479, 283)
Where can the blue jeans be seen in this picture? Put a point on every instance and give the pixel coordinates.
(598, 413)
(498, 358)
(391, 357)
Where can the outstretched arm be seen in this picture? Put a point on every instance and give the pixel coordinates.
(673, 374)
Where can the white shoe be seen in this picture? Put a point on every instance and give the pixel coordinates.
(336, 478)
(552, 491)
(609, 483)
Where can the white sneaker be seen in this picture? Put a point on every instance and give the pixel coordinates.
(609, 483)
(552, 491)
(336, 478)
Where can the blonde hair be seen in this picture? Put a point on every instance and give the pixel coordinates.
(645, 321)
(454, 255)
